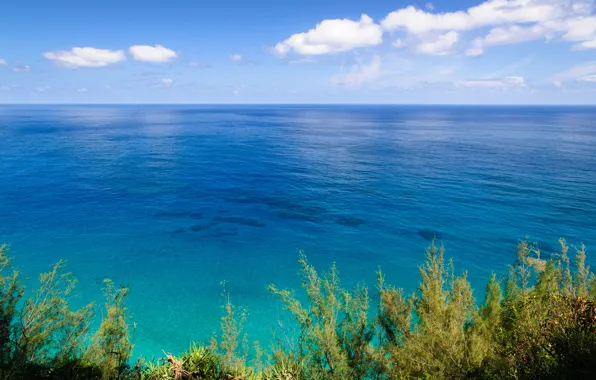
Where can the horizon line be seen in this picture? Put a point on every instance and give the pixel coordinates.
(313, 104)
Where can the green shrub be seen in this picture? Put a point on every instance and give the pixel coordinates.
(543, 325)
(42, 338)
(111, 347)
(335, 340)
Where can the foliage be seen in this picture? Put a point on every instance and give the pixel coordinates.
(111, 347)
(196, 363)
(335, 339)
(539, 321)
(225, 358)
(40, 336)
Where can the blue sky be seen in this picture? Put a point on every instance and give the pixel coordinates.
(233, 51)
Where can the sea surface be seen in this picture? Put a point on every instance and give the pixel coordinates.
(173, 201)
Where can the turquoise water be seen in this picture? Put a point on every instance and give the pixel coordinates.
(173, 200)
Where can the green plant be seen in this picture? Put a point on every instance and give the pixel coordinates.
(111, 346)
(336, 335)
(542, 326)
(42, 337)
(196, 363)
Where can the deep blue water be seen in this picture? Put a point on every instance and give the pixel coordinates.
(173, 200)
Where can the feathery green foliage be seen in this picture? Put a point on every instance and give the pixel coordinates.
(335, 339)
(111, 347)
(41, 337)
(537, 322)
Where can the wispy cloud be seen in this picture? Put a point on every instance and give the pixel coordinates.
(8, 87)
(302, 60)
(85, 57)
(510, 68)
(359, 74)
(574, 73)
(200, 65)
(494, 83)
(588, 78)
(21, 68)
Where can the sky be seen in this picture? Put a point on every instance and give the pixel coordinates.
(311, 51)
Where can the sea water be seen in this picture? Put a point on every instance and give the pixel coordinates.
(173, 201)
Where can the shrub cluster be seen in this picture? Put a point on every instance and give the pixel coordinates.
(536, 322)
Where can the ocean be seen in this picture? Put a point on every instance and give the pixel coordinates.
(181, 202)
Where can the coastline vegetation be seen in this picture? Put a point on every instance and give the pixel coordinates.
(536, 322)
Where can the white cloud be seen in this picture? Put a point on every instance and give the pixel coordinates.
(85, 57)
(489, 13)
(2, 62)
(21, 69)
(513, 81)
(575, 73)
(579, 28)
(441, 46)
(588, 78)
(585, 45)
(513, 21)
(360, 74)
(155, 53)
(481, 83)
(429, 6)
(82, 89)
(167, 81)
(235, 57)
(333, 36)
(398, 43)
(42, 88)
(514, 34)
(474, 51)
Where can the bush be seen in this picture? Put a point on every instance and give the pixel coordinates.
(42, 338)
(541, 325)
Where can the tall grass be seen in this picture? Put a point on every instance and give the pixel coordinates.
(536, 321)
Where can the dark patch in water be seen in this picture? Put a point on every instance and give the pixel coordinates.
(179, 214)
(298, 216)
(243, 199)
(287, 208)
(430, 234)
(179, 230)
(293, 206)
(544, 246)
(350, 221)
(219, 235)
(201, 227)
(241, 221)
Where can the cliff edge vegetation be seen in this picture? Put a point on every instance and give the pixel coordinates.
(538, 321)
